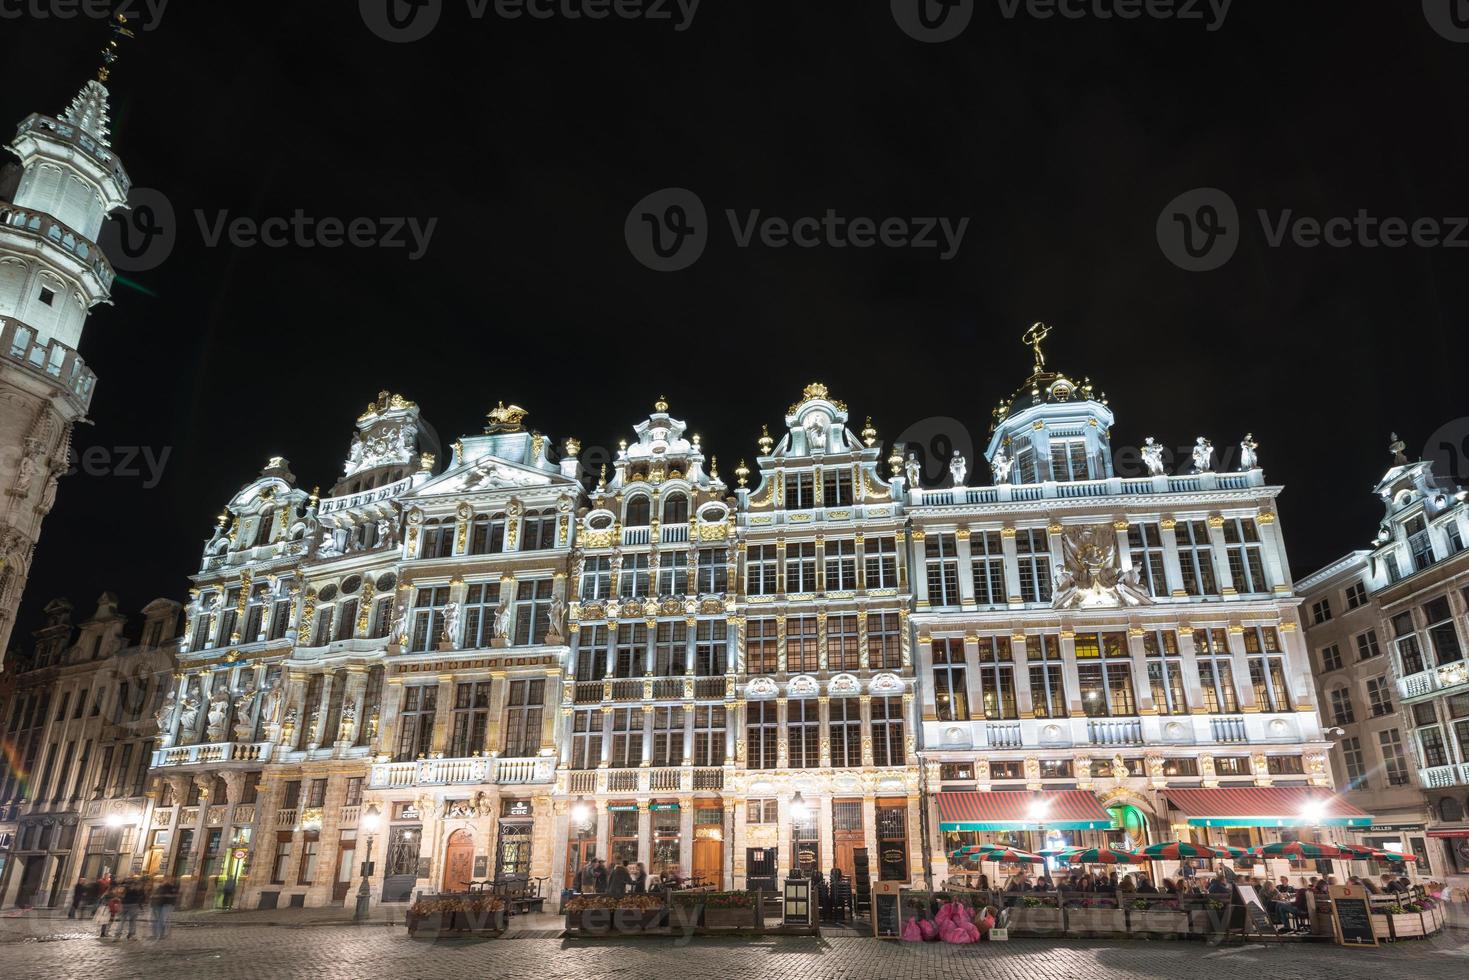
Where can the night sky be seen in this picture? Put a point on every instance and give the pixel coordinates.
(529, 141)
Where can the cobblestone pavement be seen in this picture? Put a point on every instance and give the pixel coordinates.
(332, 951)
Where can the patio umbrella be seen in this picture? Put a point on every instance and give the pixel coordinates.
(1299, 849)
(1178, 850)
(1103, 855)
(997, 852)
(1363, 852)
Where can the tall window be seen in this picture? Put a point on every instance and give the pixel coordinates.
(1420, 544)
(760, 566)
(1196, 558)
(713, 571)
(950, 691)
(1356, 595)
(1047, 681)
(762, 729)
(438, 538)
(802, 654)
(229, 619)
(709, 744)
(670, 649)
(1146, 544)
(941, 561)
(987, 561)
(841, 565)
(1379, 696)
(996, 677)
(1331, 658)
(842, 651)
(1355, 763)
(1441, 632)
(1341, 707)
(1033, 552)
(1457, 706)
(416, 721)
(591, 653)
(1394, 761)
(1026, 469)
(1409, 652)
(676, 509)
(884, 644)
(1246, 561)
(1104, 673)
(1267, 668)
(586, 739)
(596, 578)
(471, 718)
(428, 618)
(487, 534)
(1068, 460)
(668, 726)
(631, 656)
(880, 556)
(761, 647)
(800, 491)
(887, 732)
(673, 573)
(627, 738)
(803, 730)
(523, 706)
(845, 725)
(480, 602)
(711, 648)
(836, 487)
(1216, 671)
(1367, 646)
(638, 512)
(1165, 672)
(634, 576)
(532, 611)
(801, 566)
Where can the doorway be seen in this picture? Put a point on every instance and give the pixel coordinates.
(346, 865)
(512, 857)
(458, 862)
(846, 835)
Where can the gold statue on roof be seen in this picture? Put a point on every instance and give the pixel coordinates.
(1033, 338)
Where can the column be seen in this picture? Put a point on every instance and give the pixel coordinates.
(924, 668)
(549, 714)
(567, 717)
(388, 720)
(782, 741)
(1069, 672)
(685, 836)
(1168, 528)
(499, 695)
(824, 712)
(691, 631)
(647, 736)
(688, 735)
(864, 662)
(821, 653)
(1217, 549)
(356, 692)
(920, 585)
(1141, 686)
(865, 704)
(780, 643)
(645, 834)
(732, 724)
(731, 843)
(1242, 683)
(606, 743)
(1189, 655)
(966, 568)
(1024, 696)
(1012, 563)
(1273, 549)
(444, 715)
(820, 557)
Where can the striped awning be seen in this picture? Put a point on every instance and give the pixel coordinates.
(1066, 809)
(1266, 806)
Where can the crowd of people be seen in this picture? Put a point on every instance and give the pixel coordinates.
(110, 903)
(624, 878)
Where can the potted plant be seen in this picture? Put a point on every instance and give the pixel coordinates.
(729, 910)
(1160, 917)
(481, 914)
(638, 913)
(1036, 916)
(591, 914)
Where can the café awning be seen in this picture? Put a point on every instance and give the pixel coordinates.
(1266, 806)
(1067, 809)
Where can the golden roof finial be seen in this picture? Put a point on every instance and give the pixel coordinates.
(506, 418)
(869, 434)
(602, 478)
(742, 473)
(109, 50)
(661, 405)
(765, 442)
(713, 467)
(1033, 338)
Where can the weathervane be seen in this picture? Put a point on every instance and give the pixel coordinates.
(1037, 333)
(109, 51)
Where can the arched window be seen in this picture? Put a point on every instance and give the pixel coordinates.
(638, 512)
(676, 509)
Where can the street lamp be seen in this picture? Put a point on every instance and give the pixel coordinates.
(580, 812)
(369, 824)
(800, 809)
(1037, 812)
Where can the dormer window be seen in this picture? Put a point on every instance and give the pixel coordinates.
(800, 491)
(639, 512)
(1419, 543)
(676, 509)
(1068, 460)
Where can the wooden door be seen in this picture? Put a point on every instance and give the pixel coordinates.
(346, 869)
(458, 861)
(846, 835)
(708, 865)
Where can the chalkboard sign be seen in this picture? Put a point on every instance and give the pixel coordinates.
(1255, 910)
(1351, 916)
(887, 917)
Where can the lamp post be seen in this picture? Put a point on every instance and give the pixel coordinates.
(1037, 812)
(369, 824)
(1313, 813)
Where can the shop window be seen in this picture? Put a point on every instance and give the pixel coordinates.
(624, 842)
(665, 818)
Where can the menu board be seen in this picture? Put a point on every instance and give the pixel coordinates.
(1351, 916)
(1255, 909)
(887, 919)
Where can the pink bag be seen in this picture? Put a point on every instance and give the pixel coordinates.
(911, 933)
(929, 930)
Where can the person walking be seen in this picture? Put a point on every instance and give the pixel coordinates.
(108, 906)
(80, 892)
(618, 880)
(165, 898)
(133, 897)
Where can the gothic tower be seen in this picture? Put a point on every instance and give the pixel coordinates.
(52, 273)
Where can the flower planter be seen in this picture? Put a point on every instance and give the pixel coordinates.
(446, 918)
(1158, 922)
(683, 917)
(590, 922)
(729, 918)
(1206, 922)
(1406, 925)
(1085, 921)
(1041, 921)
(627, 921)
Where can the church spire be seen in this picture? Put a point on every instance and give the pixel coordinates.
(89, 112)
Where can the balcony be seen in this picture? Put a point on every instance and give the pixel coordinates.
(582, 781)
(286, 819)
(211, 753)
(1003, 736)
(622, 781)
(245, 813)
(1115, 486)
(1442, 777)
(707, 779)
(52, 358)
(462, 772)
(1228, 729)
(1127, 731)
(1434, 680)
(349, 816)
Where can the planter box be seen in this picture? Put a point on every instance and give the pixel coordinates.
(683, 917)
(1037, 921)
(592, 922)
(1407, 926)
(729, 918)
(1158, 922)
(1206, 922)
(477, 924)
(1087, 921)
(1381, 927)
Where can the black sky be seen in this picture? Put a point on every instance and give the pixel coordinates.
(529, 141)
